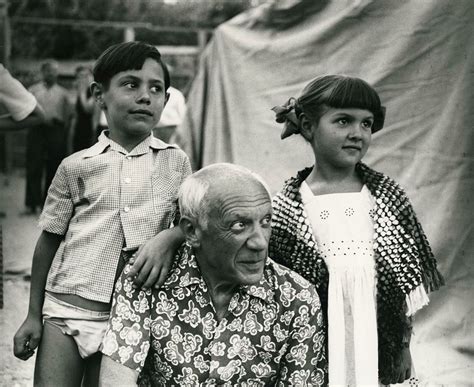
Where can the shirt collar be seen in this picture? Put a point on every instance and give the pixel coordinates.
(105, 142)
(187, 273)
(263, 289)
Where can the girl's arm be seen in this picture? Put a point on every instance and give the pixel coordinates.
(28, 335)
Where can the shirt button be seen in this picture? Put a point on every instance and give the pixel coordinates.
(129, 157)
(126, 209)
(127, 180)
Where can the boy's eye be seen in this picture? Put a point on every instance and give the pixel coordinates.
(342, 121)
(156, 89)
(129, 85)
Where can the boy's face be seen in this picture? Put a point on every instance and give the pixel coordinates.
(134, 101)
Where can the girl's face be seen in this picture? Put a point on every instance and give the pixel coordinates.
(342, 136)
(134, 101)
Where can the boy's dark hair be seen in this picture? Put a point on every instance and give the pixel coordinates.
(126, 56)
(338, 91)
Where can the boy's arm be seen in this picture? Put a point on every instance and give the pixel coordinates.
(153, 260)
(28, 335)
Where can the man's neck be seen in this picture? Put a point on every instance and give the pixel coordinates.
(221, 293)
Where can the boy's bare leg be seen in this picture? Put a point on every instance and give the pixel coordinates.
(92, 370)
(58, 362)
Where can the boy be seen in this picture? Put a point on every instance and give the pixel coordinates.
(103, 204)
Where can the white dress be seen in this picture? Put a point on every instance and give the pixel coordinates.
(344, 230)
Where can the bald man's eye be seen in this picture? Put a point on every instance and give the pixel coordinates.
(267, 221)
(237, 226)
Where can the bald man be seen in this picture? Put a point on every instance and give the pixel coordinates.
(227, 314)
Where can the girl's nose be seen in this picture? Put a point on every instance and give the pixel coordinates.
(356, 130)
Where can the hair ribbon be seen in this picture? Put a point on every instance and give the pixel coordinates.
(286, 114)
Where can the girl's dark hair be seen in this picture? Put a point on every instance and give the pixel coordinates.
(126, 56)
(338, 91)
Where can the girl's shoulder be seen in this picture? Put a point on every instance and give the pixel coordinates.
(377, 181)
(292, 185)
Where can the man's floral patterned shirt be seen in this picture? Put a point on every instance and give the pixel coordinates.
(272, 334)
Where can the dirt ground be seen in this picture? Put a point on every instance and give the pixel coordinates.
(19, 235)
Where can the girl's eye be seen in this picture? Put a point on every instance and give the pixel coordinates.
(237, 226)
(367, 124)
(155, 89)
(129, 85)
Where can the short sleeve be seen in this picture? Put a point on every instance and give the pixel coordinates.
(18, 101)
(127, 337)
(58, 207)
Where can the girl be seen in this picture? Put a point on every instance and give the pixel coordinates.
(353, 233)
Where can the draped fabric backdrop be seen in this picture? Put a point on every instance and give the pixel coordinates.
(419, 56)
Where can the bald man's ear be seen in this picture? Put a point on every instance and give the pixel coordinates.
(191, 231)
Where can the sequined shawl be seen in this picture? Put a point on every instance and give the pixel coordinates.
(404, 260)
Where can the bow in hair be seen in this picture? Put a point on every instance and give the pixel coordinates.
(285, 114)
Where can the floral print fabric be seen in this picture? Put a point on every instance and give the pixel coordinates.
(272, 333)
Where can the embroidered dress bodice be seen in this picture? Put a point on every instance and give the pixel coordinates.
(343, 229)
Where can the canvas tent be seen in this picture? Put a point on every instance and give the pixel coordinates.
(419, 55)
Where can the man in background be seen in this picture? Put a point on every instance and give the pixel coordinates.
(46, 145)
(82, 130)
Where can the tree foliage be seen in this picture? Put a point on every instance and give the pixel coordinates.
(78, 42)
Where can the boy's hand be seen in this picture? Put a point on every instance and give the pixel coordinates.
(153, 260)
(27, 338)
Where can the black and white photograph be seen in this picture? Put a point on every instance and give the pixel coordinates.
(246, 193)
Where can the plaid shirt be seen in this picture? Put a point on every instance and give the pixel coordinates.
(103, 199)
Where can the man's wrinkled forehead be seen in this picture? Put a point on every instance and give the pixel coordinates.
(245, 194)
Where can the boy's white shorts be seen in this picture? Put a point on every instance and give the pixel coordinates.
(87, 327)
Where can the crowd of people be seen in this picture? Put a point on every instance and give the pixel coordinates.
(146, 273)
